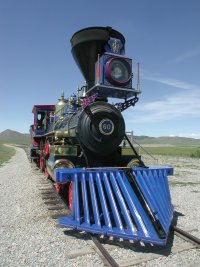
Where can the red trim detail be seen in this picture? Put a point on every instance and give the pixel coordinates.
(35, 143)
(41, 162)
(70, 195)
(98, 70)
(47, 149)
(57, 187)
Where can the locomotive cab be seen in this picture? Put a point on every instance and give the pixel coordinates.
(40, 126)
(42, 118)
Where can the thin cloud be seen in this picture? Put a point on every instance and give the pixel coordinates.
(168, 81)
(171, 107)
(179, 105)
(186, 56)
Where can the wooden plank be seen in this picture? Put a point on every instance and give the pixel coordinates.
(80, 252)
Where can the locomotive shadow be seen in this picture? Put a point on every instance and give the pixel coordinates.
(136, 246)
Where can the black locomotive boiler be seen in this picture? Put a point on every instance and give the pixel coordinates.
(81, 144)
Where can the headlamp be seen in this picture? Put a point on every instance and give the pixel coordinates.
(118, 71)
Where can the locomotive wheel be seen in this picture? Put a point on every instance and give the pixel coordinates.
(134, 163)
(66, 190)
(47, 150)
(70, 198)
(66, 193)
(42, 164)
(46, 172)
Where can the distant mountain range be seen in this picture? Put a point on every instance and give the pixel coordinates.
(167, 140)
(10, 136)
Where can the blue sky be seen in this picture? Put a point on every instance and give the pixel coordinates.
(163, 35)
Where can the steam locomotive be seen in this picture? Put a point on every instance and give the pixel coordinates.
(81, 144)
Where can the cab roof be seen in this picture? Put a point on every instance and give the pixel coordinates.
(43, 107)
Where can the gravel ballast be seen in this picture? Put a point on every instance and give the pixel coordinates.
(30, 236)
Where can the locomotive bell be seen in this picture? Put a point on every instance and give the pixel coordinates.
(87, 44)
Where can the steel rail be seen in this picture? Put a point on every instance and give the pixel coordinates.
(103, 253)
(187, 236)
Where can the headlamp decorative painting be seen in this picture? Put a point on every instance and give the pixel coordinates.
(114, 72)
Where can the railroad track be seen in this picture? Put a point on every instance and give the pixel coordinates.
(105, 250)
(186, 236)
(106, 247)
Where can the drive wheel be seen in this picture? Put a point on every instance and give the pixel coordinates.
(134, 163)
(42, 164)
